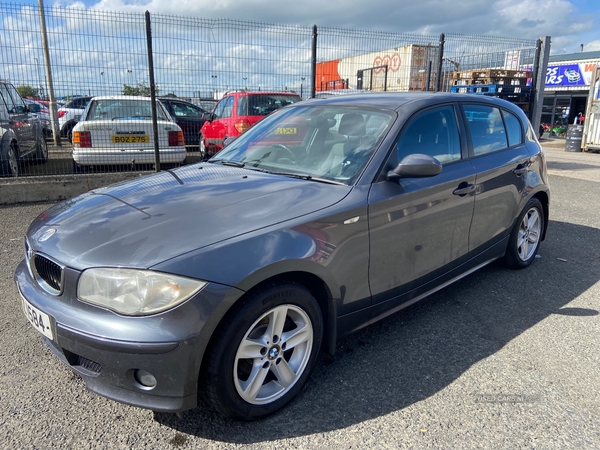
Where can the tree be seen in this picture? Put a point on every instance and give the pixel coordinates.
(28, 91)
(141, 89)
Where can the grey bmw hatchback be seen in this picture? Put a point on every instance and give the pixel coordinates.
(226, 278)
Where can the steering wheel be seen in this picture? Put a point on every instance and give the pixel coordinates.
(290, 153)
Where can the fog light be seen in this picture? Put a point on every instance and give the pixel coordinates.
(144, 378)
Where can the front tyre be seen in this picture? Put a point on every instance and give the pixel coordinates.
(263, 352)
(526, 236)
(9, 164)
(203, 149)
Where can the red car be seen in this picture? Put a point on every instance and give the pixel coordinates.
(236, 112)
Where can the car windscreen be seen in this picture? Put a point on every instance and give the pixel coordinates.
(321, 142)
(263, 104)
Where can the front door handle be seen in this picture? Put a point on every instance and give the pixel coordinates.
(520, 170)
(464, 189)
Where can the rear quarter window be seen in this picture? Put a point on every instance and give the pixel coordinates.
(514, 130)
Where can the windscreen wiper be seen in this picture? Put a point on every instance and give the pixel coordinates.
(305, 176)
(225, 162)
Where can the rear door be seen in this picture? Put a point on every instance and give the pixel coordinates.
(217, 130)
(501, 160)
(188, 117)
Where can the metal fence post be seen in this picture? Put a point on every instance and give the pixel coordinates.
(313, 63)
(536, 73)
(540, 84)
(428, 79)
(438, 81)
(152, 91)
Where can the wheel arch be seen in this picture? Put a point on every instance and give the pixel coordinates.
(313, 283)
(9, 139)
(544, 199)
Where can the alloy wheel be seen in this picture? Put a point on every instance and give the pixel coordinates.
(273, 354)
(529, 234)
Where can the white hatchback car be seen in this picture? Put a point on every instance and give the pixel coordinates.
(117, 130)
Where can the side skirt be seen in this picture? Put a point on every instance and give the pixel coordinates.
(356, 320)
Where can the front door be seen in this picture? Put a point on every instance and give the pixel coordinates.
(420, 226)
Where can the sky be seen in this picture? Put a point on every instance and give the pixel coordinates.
(569, 23)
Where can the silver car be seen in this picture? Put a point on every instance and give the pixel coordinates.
(118, 130)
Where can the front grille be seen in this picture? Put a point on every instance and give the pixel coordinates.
(48, 273)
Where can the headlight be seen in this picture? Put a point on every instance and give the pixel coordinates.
(135, 292)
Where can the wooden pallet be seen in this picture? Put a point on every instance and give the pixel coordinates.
(491, 73)
(491, 89)
(508, 81)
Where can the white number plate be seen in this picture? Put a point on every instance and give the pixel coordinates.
(39, 320)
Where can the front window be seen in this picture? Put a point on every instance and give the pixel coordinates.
(328, 143)
(433, 132)
(185, 110)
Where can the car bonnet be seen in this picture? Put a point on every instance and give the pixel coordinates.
(147, 221)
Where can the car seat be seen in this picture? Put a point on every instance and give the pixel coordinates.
(353, 128)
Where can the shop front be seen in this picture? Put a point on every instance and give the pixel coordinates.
(566, 91)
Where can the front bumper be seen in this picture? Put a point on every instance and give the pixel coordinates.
(106, 349)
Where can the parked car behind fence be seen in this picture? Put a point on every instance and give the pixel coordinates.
(21, 133)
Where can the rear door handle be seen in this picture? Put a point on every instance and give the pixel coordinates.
(464, 189)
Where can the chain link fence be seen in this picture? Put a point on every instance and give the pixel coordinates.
(196, 60)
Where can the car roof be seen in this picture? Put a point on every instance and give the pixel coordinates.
(121, 97)
(242, 93)
(177, 99)
(396, 100)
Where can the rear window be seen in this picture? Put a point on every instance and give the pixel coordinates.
(263, 104)
(120, 109)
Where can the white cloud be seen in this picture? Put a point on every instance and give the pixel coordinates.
(528, 19)
(592, 46)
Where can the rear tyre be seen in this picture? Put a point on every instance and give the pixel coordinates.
(77, 168)
(69, 133)
(526, 236)
(41, 152)
(263, 352)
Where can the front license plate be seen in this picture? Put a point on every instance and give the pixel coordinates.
(39, 320)
(130, 139)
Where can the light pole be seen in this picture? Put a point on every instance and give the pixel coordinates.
(129, 76)
(102, 78)
(302, 86)
(39, 79)
(245, 85)
(214, 79)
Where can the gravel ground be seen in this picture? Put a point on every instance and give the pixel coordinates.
(502, 359)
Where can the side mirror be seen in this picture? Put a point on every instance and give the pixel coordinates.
(229, 140)
(208, 116)
(416, 166)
